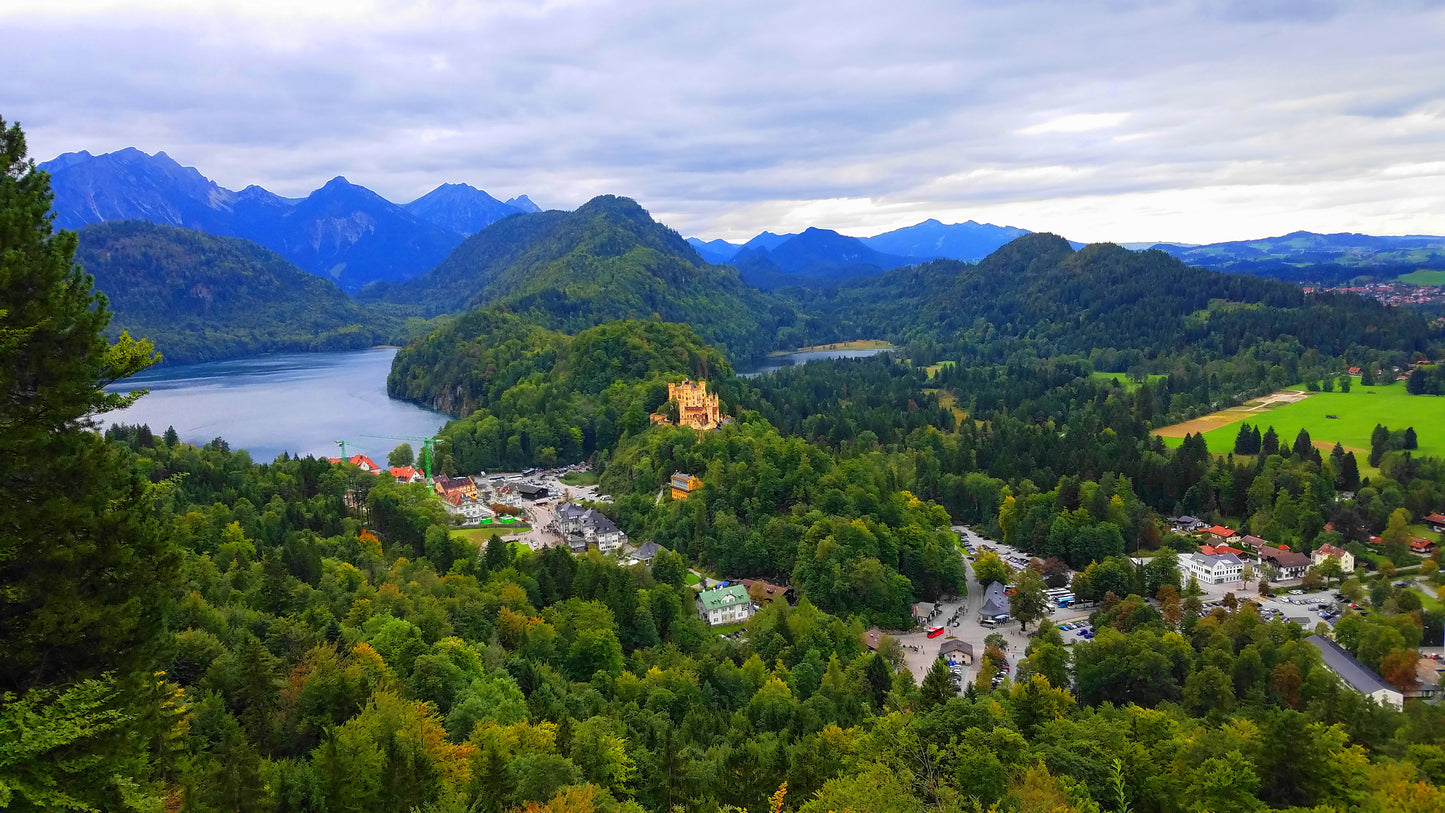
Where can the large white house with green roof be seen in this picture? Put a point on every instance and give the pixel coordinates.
(725, 605)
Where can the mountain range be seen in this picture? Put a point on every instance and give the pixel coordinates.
(341, 231)
(1309, 257)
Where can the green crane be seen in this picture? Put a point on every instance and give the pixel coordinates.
(428, 445)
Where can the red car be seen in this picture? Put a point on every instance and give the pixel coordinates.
(935, 632)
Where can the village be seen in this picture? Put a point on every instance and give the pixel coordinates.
(542, 508)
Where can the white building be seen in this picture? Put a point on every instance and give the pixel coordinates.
(1217, 569)
(725, 605)
(1356, 675)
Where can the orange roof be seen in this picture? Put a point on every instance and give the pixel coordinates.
(403, 472)
(1220, 530)
(1207, 550)
(1227, 549)
(364, 462)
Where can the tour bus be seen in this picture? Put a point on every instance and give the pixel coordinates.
(1065, 601)
(995, 620)
(935, 632)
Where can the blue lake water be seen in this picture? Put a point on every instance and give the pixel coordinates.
(300, 403)
(788, 360)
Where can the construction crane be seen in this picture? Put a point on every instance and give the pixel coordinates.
(428, 445)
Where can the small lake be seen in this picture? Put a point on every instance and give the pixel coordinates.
(789, 359)
(300, 403)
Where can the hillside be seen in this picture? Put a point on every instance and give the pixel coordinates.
(341, 231)
(607, 260)
(200, 297)
(1038, 288)
(525, 389)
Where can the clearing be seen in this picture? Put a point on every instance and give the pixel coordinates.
(856, 344)
(579, 478)
(480, 536)
(1424, 277)
(1356, 413)
(1128, 383)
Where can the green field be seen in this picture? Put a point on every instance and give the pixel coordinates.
(1424, 277)
(479, 536)
(1358, 411)
(1428, 601)
(579, 478)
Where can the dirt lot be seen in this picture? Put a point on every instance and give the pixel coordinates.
(1224, 417)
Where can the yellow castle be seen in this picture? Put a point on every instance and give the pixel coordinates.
(695, 407)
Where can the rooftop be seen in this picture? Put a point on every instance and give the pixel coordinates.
(1350, 670)
(721, 597)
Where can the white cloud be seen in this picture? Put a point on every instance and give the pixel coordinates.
(1126, 121)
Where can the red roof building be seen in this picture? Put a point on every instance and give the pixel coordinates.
(1421, 545)
(1222, 533)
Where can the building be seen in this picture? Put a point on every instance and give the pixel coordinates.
(452, 488)
(531, 491)
(872, 638)
(1288, 563)
(695, 408)
(469, 510)
(1187, 524)
(995, 607)
(1326, 552)
(360, 461)
(1217, 569)
(924, 611)
(588, 526)
(1215, 550)
(683, 485)
(1427, 680)
(1436, 522)
(645, 554)
(1221, 533)
(406, 474)
(725, 605)
(1356, 675)
(1421, 546)
(956, 651)
(1254, 543)
(764, 593)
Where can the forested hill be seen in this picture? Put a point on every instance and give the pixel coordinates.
(1039, 289)
(607, 260)
(534, 395)
(200, 297)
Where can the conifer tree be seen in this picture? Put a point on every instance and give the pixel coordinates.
(1269, 444)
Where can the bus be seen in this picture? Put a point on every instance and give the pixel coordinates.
(935, 632)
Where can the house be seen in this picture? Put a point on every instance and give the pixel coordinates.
(1254, 543)
(531, 491)
(1291, 565)
(995, 607)
(1216, 569)
(1222, 533)
(1354, 371)
(923, 612)
(1436, 522)
(1355, 674)
(765, 593)
(1216, 550)
(1187, 524)
(1421, 546)
(872, 637)
(601, 531)
(569, 518)
(469, 510)
(406, 474)
(1326, 552)
(695, 408)
(725, 605)
(1427, 680)
(451, 488)
(683, 485)
(360, 461)
(954, 650)
(645, 554)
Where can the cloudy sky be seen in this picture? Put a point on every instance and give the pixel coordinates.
(1110, 120)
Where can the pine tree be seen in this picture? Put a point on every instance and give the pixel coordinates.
(1350, 475)
(1303, 447)
(1416, 383)
(1410, 440)
(937, 686)
(1243, 440)
(83, 559)
(1269, 444)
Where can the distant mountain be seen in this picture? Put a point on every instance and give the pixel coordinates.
(932, 240)
(342, 231)
(766, 241)
(201, 297)
(1309, 257)
(816, 255)
(716, 252)
(523, 204)
(1038, 294)
(607, 260)
(462, 208)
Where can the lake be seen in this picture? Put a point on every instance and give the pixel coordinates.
(787, 360)
(300, 403)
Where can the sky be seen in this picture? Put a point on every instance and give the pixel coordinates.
(1110, 120)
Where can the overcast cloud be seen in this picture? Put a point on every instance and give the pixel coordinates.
(1119, 120)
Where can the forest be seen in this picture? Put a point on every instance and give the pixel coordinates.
(185, 628)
